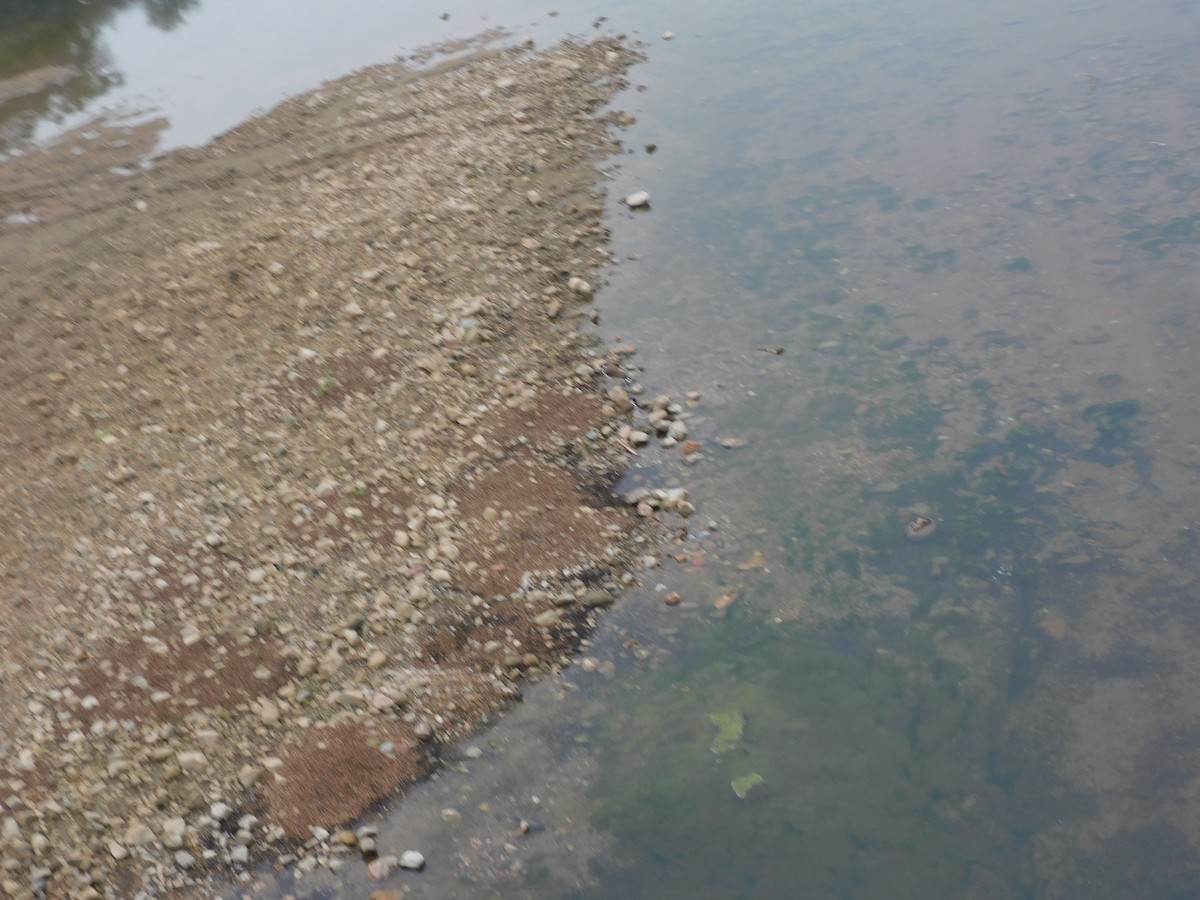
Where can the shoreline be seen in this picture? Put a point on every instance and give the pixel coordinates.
(287, 422)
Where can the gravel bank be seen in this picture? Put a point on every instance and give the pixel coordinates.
(303, 462)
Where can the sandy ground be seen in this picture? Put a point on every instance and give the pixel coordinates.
(304, 463)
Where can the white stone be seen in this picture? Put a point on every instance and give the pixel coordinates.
(412, 859)
(637, 199)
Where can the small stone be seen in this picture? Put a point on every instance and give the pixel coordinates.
(668, 36)
(248, 775)
(138, 833)
(620, 398)
(672, 599)
(219, 811)
(381, 701)
(184, 860)
(412, 859)
(172, 831)
(239, 854)
(579, 286)
(268, 711)
(547, 619)
(690, 447)
(638, 200)
(257, 575)
(117, 851)
(382, 867)
(191, 760)
(377, 660)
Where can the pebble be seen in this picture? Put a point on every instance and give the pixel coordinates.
(382, 867)
(184, 860)
(191, 760)
(638, 200)
(173, 830)
(668, 36)
(620, 398)
(268, 711)
(412, 859)
(138, 833)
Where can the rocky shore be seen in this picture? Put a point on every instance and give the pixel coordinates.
(304, 460)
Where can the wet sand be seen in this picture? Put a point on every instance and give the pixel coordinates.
(305, 461)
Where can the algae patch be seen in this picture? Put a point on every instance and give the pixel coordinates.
(745, 783)
(730, 725)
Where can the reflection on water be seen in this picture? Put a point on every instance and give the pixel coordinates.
(929, 262)
(53, 59)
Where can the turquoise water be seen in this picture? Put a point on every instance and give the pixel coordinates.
(970, 231)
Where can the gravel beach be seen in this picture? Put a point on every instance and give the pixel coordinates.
(304, 461)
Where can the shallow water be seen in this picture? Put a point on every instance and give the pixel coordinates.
(971, 231)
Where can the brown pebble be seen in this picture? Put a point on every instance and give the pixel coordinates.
(672, 599)
(689, 447)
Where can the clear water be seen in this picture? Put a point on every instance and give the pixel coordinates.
(972, 230)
